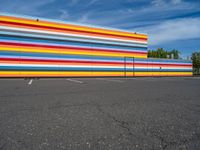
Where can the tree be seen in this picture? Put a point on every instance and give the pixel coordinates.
(196, 62)
(175, 54)
(161, 53)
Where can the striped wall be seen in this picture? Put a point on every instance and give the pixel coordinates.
(31, 47)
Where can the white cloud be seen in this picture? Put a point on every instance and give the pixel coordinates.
(92, 2)
(64, 14)
(84, 18)
(158, 11)
(168, 31)
(158, 3)
(24, 6)
(166, 3)
(176, 2)
(73, 2)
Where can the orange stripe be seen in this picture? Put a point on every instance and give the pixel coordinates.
(71, 26)
(62, 63)
(81, 63)
(95, 51)
(73, 32)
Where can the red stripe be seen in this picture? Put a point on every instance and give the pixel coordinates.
(91, 62)
(56, 61)
(159, 64)
(68, 47)
(61, 29)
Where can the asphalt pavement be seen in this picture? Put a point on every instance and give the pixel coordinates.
(100, 113)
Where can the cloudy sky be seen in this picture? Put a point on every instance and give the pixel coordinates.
(171, 24)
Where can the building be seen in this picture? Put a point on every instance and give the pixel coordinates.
(35, 47)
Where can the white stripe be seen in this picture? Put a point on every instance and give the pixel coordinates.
(11, 33)
(46, 58)
(72, 23)
(121, 50)
(69, 35)
(89, 66)
(93, 47)
(70, 66)
(162, 67)
(148, 62)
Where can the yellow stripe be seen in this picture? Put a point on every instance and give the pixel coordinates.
(162, 73)
(57, 74)
(73, 27)
(74, 52)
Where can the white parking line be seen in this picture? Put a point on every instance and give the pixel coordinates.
(112, 80)
(30, 82)
(73, 80)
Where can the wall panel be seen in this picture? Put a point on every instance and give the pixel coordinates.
(36, 47)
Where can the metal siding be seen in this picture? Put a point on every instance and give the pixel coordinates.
(44, 48)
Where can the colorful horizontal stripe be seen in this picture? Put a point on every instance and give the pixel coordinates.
(55, 35)
(31, 47)
(86, 74)
(42, 24)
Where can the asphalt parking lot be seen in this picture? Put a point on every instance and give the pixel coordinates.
(100, 113)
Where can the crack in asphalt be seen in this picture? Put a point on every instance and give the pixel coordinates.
(122, 124)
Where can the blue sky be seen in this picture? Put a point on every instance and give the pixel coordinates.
(171, 24)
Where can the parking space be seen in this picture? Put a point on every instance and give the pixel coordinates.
(100, 113)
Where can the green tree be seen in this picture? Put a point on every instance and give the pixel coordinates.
(150, 53)
(175, 53)
(161, 53)
(196, 62)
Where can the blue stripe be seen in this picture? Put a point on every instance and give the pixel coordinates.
(72, 43)
(59, 56)
(67, 38)
(82, 57)
(89, 69)
(164, 60)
